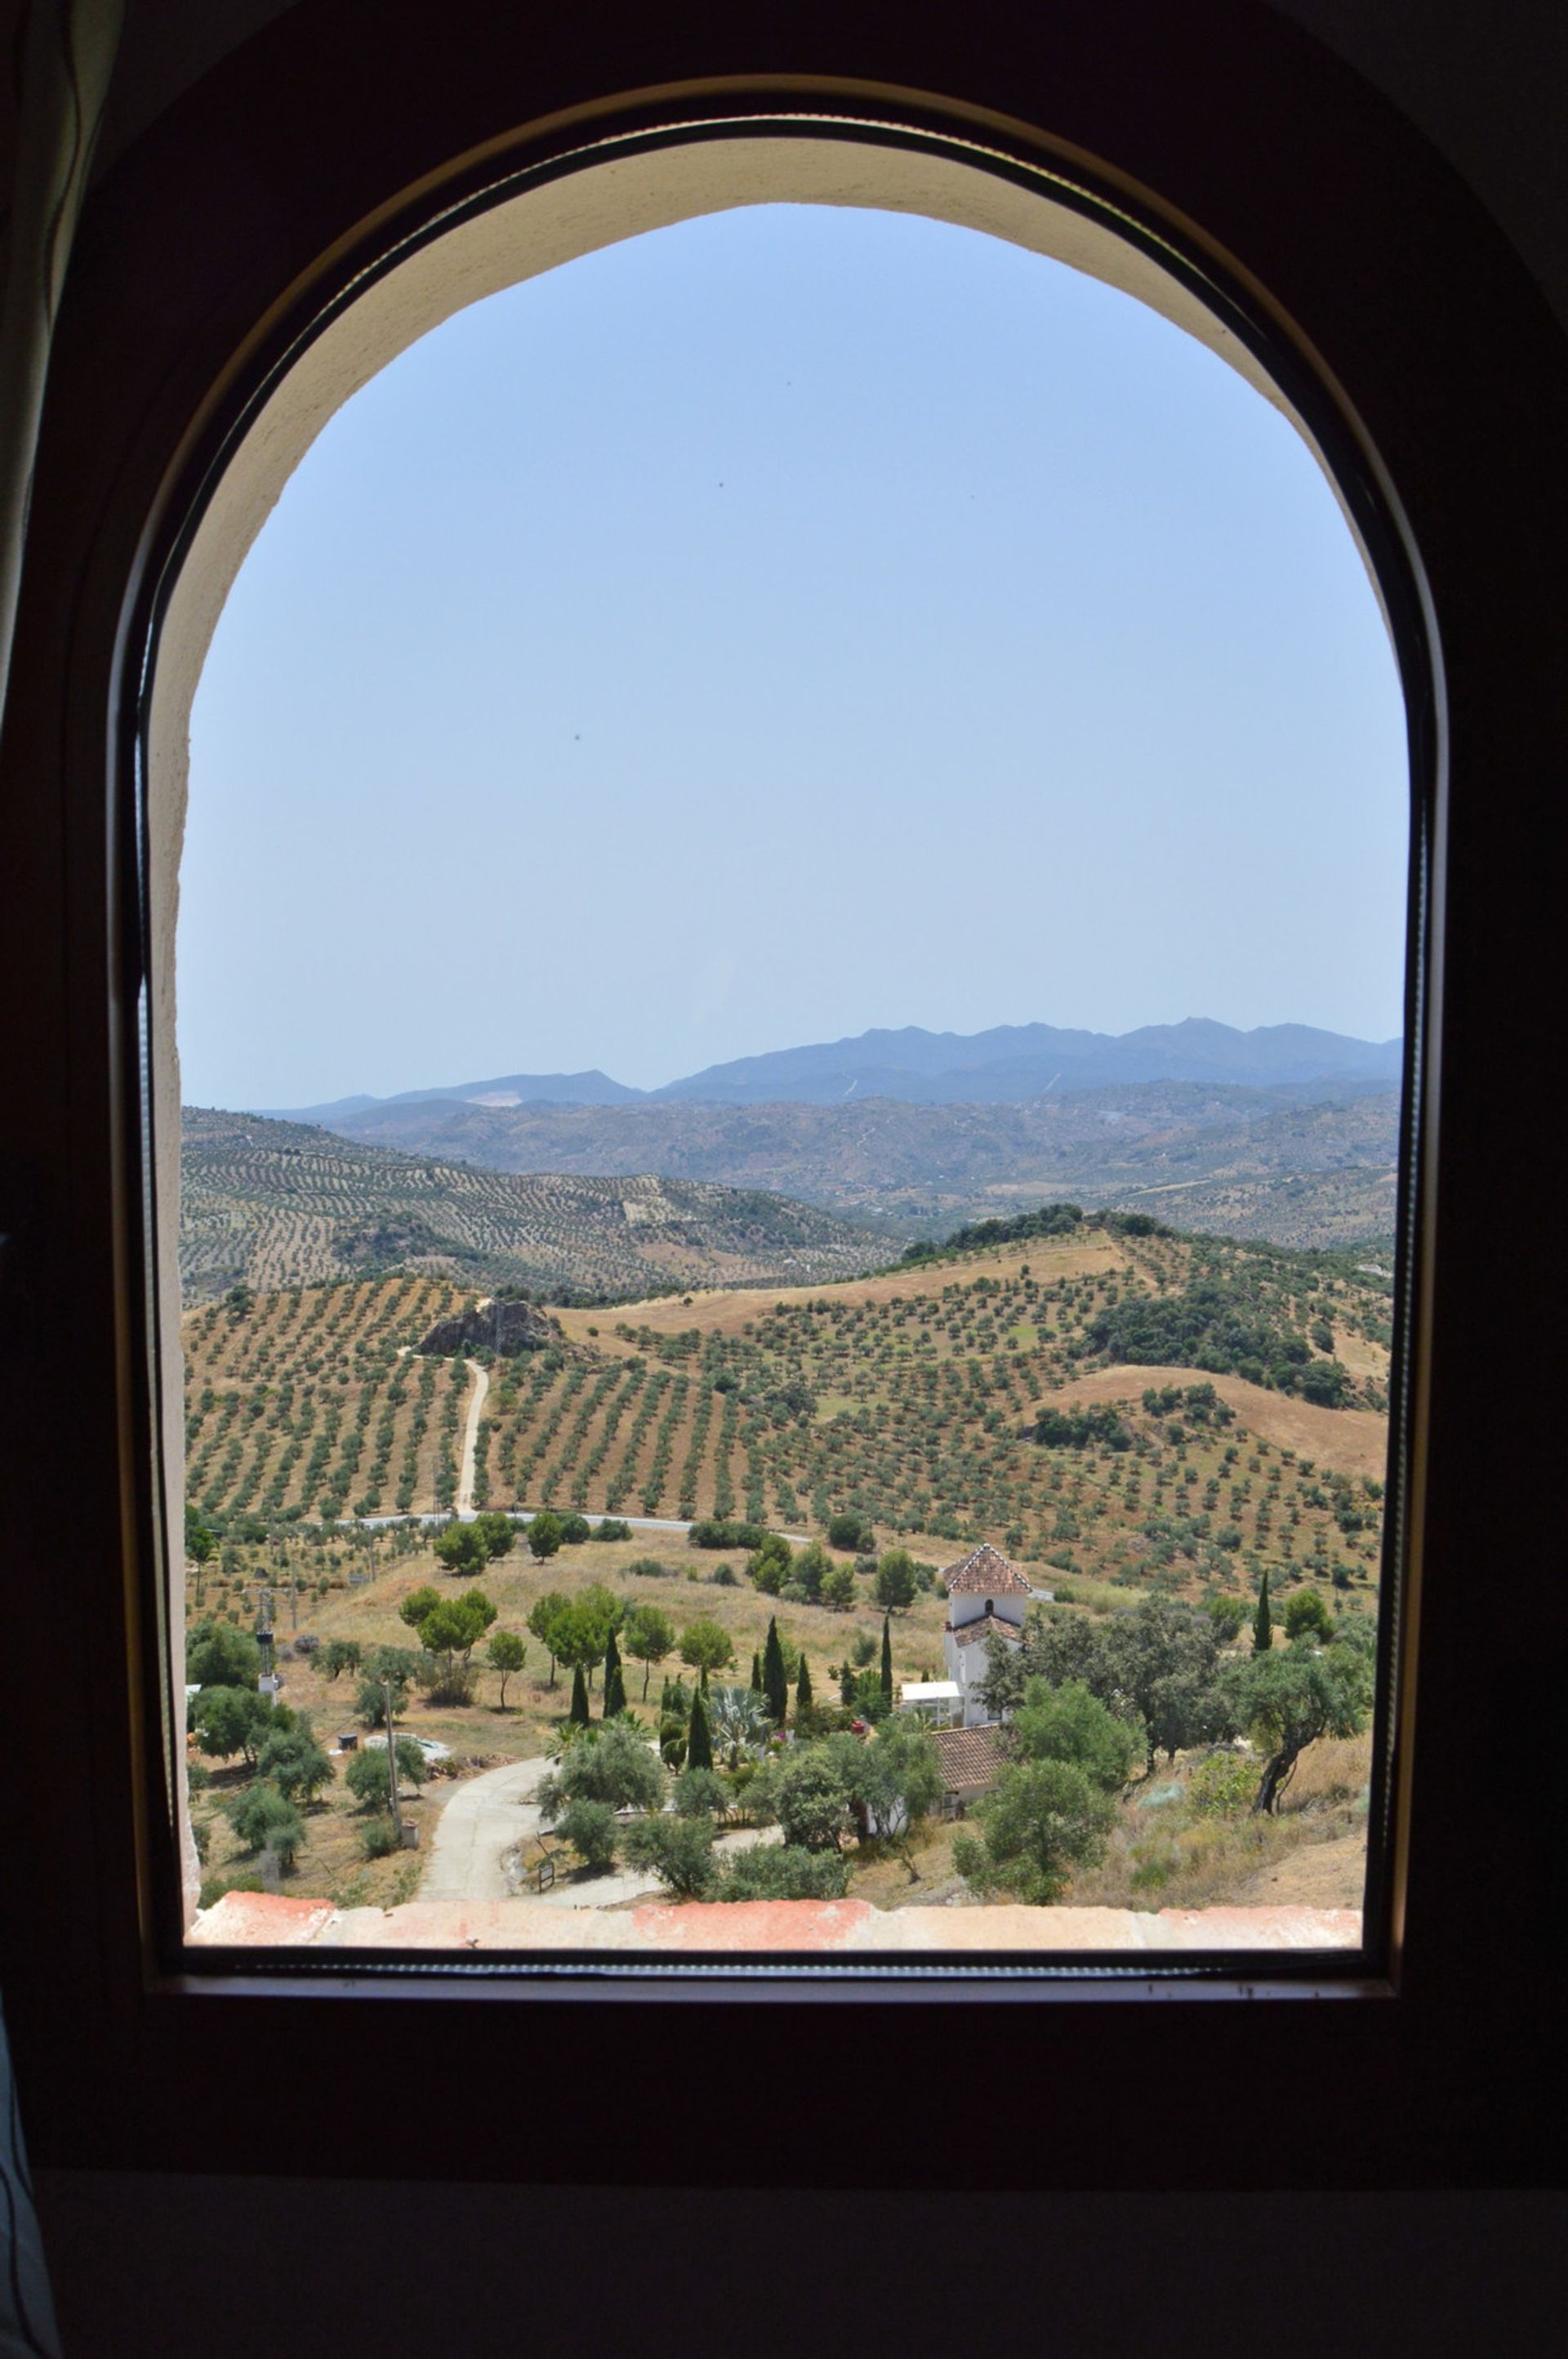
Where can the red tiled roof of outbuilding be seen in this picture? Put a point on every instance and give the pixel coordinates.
(968, 1756)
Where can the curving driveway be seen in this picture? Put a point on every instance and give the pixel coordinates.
(486, 1817)
(490, 1815)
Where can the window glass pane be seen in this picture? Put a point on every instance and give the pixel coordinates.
(860, 1426)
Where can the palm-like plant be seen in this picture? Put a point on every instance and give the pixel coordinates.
(740, 1724)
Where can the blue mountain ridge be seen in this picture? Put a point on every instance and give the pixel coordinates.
(1006, 1065)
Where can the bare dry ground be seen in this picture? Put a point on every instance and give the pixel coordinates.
(728, 1312)
(1327, 1874)
(1354, 1440)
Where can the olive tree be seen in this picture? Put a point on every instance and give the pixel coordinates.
(896, 1779)
(229, 1720)
(809, 1794)
(1040, 1821)
(612, 1764)
(296, 1764)
(591, 1829)
(264, 1820)
(1068, 1724)
(1292, 1695)
(678, 1851)
(368, 1778)
(218, 1655)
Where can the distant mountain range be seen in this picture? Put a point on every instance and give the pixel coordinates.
(1008, 1065)
(1302, 1167)
(507, 1090)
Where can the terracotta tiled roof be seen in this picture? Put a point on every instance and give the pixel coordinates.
(986, 1573)
(969, 1757)
(982, 1626)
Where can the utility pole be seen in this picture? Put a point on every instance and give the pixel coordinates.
(392, 1761)
(280, 1550)
(269, 1681)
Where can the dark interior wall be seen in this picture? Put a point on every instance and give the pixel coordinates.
(161, 2268)
(231, 2266)
(1485, 84)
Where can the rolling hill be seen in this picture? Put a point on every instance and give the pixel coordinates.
(976, 1397)
(1241, 1161)
(280, 1204)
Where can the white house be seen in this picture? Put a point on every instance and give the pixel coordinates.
(987, 1597)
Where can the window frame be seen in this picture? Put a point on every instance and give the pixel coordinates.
(1394, 570)
(114, 2008)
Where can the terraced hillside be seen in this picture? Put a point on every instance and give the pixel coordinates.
(992, 1395)
(277, 1203)
(303, 1404)
(911, 1400)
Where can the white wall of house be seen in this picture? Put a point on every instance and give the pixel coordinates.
(968, 1666)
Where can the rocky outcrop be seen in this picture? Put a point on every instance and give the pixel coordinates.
(505, 1327)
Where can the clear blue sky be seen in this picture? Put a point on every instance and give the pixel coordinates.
(782, 624)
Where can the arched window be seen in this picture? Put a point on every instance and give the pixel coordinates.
(225, 262)
(511, 234)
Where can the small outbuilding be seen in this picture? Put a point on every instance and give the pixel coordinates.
(969, 1760)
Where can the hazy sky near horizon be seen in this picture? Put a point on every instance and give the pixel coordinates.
(791, 622)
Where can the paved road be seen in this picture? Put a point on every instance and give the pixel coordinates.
(486, 1817)
(522, 1520)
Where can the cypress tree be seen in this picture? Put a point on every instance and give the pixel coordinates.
(887, 1656)
(699, 1743)
(802, 1687)
(1262, 1621)
(846, 1683)
(577, 1716)
(775, 1686)
(757, 1673)
(614, 1680)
